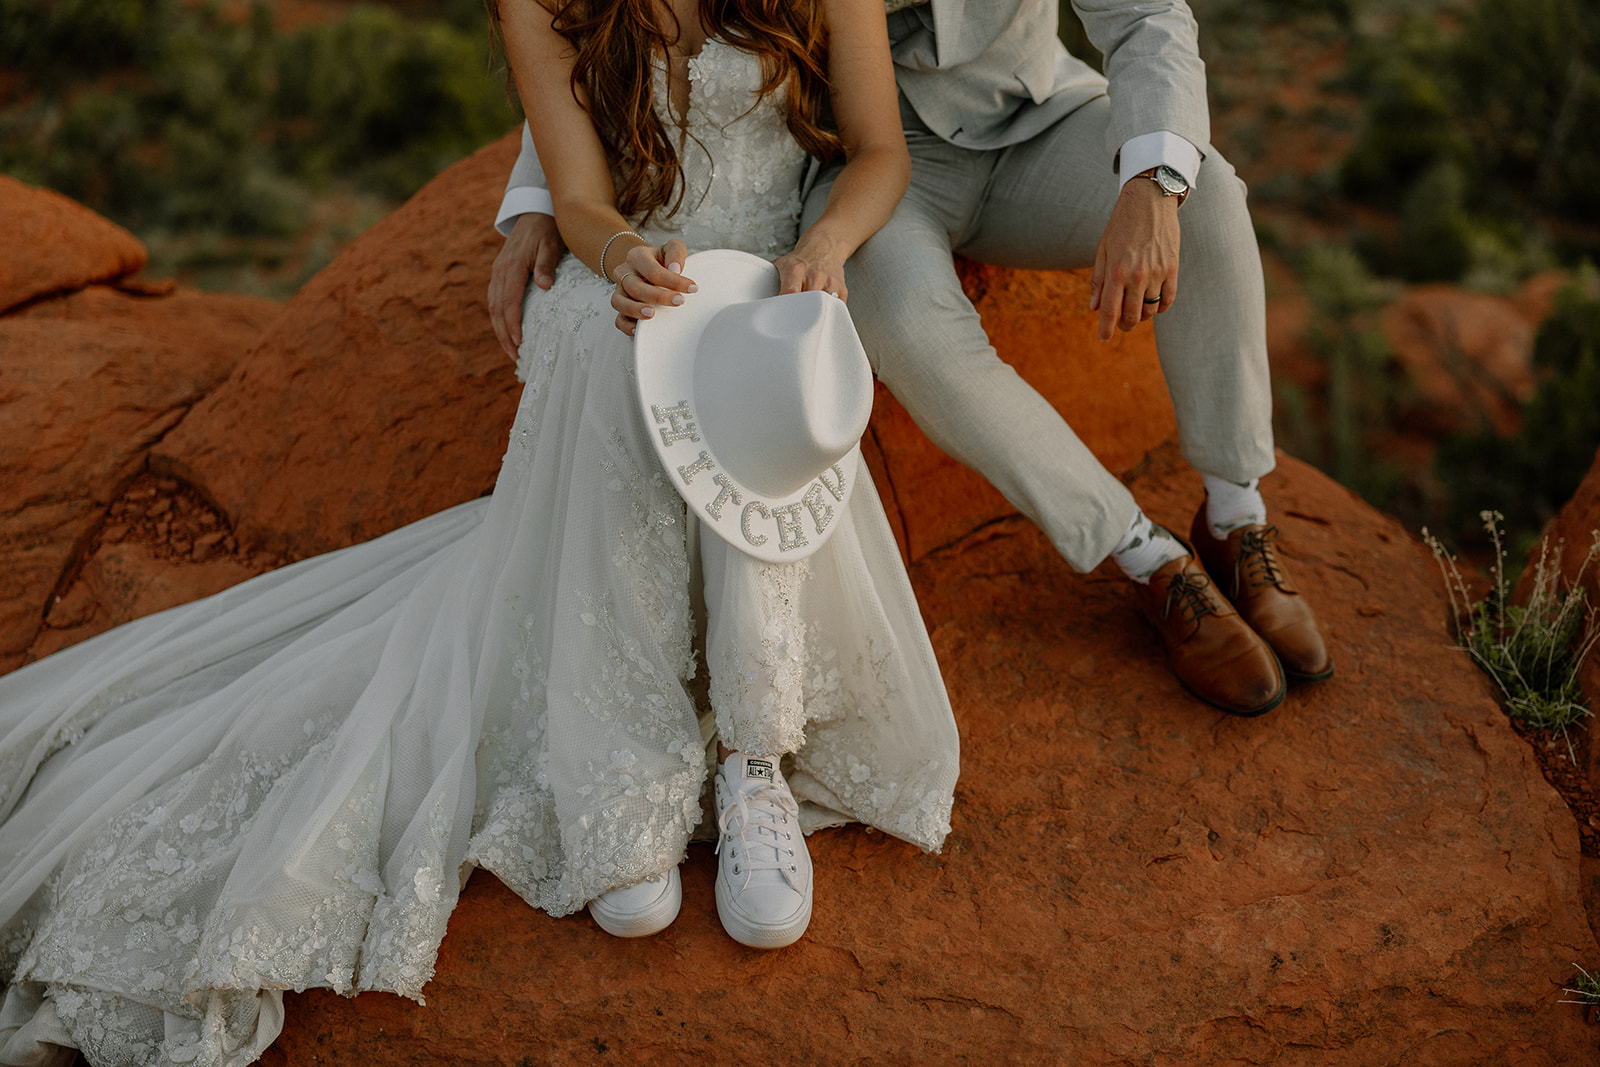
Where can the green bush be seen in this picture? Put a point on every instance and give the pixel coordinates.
(1585, 987)
(393, 101)
(172, 116)
(1363, 384)
(1473, 134)
(56, 39)
(1408, 118)
(1507, 97)
(1530, 95)
(1534, 473)
(1532, 651)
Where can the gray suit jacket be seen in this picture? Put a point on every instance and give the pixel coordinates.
(990, 73)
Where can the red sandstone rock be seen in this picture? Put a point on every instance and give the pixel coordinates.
(1575, 529)
(88, 382)
(379, 395)
(56, 245)
(1467, 355)
(159, 545)
(1373, 873)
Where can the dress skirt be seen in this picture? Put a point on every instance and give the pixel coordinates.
(286, 784)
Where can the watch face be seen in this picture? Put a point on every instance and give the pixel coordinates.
(1171, 181)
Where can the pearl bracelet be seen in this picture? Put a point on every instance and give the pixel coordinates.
(607, 248)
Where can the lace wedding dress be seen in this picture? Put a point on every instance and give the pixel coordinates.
(285, 785)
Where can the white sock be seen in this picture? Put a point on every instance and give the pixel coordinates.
(1230, 505)
(1145, 549)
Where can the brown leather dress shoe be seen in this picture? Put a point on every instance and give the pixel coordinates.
(1247, 568)
(1214, 653)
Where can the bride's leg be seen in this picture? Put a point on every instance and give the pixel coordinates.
(755, 654)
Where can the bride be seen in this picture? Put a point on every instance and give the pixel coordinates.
(285, 785)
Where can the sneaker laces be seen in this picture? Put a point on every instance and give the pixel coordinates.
(1258, 558)
(1189, 591)
(760, 821)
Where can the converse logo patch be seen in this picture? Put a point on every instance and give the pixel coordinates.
(758, 768)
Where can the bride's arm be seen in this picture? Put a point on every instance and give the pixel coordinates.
(575, 165)
(877, 166)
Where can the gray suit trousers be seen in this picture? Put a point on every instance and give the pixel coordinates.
(1043, 204)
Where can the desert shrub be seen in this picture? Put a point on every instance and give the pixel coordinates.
(469, 15)
(1441, 237)
(1363, 384)
(55, 39)
(389, 100)
(1530, 95)
(169, 115)
(1473, 133)
(1584, 990)
(1532, 474)
(1407, 125)
(1531, 651)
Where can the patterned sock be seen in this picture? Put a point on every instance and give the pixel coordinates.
(1230, 505)
(1145, 549)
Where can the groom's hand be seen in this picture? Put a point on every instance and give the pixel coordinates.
(1137, 260)
(533, 248)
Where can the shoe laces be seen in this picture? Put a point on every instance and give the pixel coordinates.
(1190, 593)
(761, 824)
(1258, 558)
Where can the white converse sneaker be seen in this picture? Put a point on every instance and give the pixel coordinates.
(640, 909)
(764, 877)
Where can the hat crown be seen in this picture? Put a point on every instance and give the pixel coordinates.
(784, 388)
(755, 404)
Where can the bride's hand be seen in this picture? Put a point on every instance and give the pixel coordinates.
(810, 267)
(646, 278)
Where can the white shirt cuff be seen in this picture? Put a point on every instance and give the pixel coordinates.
(1148, 150)
(522, 200)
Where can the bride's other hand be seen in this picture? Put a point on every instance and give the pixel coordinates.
(648, 278)
(532, 249)
(814, 265)
(877, 165)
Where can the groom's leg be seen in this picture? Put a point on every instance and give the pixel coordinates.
(928, 346)
(1046, 206)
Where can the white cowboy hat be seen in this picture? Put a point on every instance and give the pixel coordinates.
(756, 404)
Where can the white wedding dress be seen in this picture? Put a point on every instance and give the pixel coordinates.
(285, 785)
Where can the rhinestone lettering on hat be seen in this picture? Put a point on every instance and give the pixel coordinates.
(701, 463)
(836, 487)
(725, 493)
(680, 423)
(790, 535)
(821, 510)
(758, 508)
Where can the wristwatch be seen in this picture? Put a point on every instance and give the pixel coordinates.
(1169, 181)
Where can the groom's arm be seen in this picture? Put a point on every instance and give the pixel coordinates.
(532, 249)
(1157, 93)
(527, 190)
(1157, 82)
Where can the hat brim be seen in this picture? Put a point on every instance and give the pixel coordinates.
(776, 529)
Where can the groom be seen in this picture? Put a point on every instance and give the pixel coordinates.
(1023, 156)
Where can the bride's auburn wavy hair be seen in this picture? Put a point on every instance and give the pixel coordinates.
(618, 41)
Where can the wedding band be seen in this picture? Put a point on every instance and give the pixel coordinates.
(1152, 300)
(625, 277)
